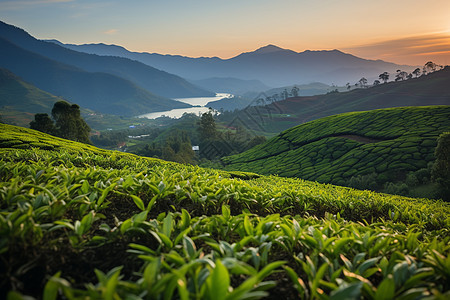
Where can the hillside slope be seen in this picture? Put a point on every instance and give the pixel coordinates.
(153, 80)
(100, 92)
(386, 142)
(80, 222)
(432, 89)
(20, 100)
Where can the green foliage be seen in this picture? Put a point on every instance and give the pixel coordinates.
(68, 122)
(43, 123)
(207, 127)
(78, 222)
(441, 167)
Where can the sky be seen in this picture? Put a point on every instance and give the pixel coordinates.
(401, 31)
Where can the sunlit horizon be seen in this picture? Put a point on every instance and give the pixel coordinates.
(402, 32)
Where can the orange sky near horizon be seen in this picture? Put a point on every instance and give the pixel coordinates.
(402, 31)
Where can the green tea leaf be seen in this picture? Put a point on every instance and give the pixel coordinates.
(139, 203)
(386, 289)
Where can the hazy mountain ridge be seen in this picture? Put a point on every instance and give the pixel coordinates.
(230, 85)
(272, 65)
(101, 92)
(154, 80)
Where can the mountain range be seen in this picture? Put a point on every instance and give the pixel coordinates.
(100, 92)
(105, 84)
(272, 65)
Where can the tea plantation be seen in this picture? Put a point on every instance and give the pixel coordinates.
(77, 222)
(387, 142)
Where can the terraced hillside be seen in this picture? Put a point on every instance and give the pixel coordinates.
(78, 222)
(385, 142)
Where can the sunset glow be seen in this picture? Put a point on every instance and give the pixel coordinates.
(405, 32)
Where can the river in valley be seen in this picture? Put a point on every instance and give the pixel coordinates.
(199, 102)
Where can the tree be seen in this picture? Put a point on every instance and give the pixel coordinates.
(348, 86)
(295, 91)
(68, 122)
(440, 171)
(207, 126)
(430, 67)
(376, 82)
(416, 72)
(384, 76)
(43, 123)
(363, 82)
(401, 75)
(285, 94)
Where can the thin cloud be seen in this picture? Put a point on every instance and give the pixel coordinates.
(110, 31)
(19, 4)
(411, 48)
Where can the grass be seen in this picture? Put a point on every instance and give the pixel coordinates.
(386, 142)
(79, 222)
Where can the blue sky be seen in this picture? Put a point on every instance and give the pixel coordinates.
(402, 31)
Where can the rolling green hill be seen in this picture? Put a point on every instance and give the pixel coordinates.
(432, 89)
(79, 222)
(386, 142)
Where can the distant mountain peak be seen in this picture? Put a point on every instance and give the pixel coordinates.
(268, 49)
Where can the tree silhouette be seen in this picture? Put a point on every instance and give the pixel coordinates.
(430, 67)
(384, 76)
(295, 91)
(416, 72)
(376, 82)
(401, 75)
(363, 82)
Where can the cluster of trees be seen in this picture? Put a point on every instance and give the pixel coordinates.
(214, 141)
(294, 92)
(177, 147)
(400, 75)
(66, 122)
(215, 144)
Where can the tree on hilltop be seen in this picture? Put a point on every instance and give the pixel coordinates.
(363, 82)
(401, 75)
(429, 67)
(384, 76)
(416, 72)
(67, 123)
